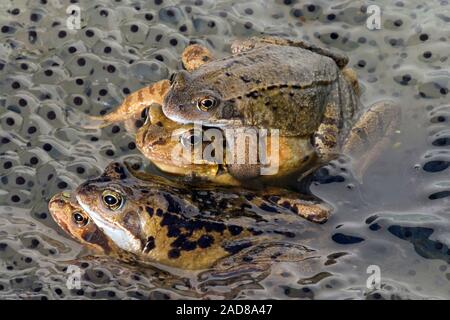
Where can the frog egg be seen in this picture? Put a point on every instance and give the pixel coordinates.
(108, 48)
(91, 35)
(33, 157)
(79, 102)
(83, 170)
(77, 85)
(434, 89)
(172, 15)
(102, 17)
(15, 84)
(209, 26)
(7, 143)
(6, 29)
(52, 113)
(286, 2)
(149, 16)
(54, 149)
(245, 27)
(125, 143)
(8, 161)
(34, 126)
(166, 57)
(25, 66)
(177, 41)
(109, 151)
(70, 49)
(21, 178)
(406, 78)
(17, 198)
(157, 35)
(135, 32)
(83, 64)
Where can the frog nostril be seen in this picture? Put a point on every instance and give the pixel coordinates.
(181, 107)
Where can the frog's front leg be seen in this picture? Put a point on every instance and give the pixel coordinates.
(194, 56)
(248, 44)
(371, 134)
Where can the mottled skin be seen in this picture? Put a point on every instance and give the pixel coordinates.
(152, 230)
(182, 225)
(66, 211)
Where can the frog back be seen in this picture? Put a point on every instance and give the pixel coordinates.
(273, 87)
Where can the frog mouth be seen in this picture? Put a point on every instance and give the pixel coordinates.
(119, 235)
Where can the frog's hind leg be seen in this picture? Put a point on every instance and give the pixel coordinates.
(312, 210)
(370, 135)
(194, 56)
(248, 44)
(132, 106)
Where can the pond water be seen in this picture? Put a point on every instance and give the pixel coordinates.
(396, 220)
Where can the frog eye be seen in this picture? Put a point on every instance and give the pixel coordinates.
(206, 103)
(80, 219)
(191, 138)
(112, 199)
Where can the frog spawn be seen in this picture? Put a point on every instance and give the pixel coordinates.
(403, 49)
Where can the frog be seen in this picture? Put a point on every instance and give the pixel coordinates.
(179, 149)
(304, 91)
(74, 221)
(140, 211)
(71, 217)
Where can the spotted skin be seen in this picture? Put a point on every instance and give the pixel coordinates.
(184, 235)
(182, 225)
(159, 137)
